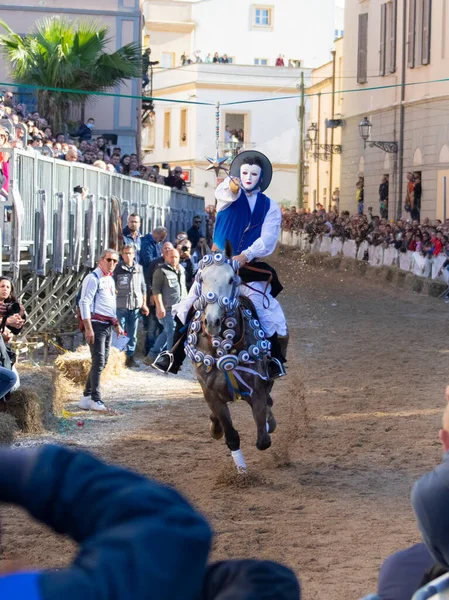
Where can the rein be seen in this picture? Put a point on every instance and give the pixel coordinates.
(269, 280)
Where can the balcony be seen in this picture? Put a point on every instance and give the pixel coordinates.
(231, 149)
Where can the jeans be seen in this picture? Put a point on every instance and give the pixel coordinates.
(166, 337)
(129, 322)
(153, 330)
(8, 380)
(99, 352)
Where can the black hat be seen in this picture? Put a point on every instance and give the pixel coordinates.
(255, 157)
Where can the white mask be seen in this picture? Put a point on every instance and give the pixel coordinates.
(250, 176)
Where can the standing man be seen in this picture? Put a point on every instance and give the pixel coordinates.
(99, 314)
(150, 248)
(383, 197)
(154, 327)
(132, 236)
(194, 234)
(131, 299)
(169, 288)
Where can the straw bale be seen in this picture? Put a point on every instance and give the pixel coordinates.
(8, 428)
(39, 400)
(25, 407)
(76, 365)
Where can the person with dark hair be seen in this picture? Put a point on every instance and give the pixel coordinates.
(12, 319)
(194, 233)
(132, 235)
(138, 539)
(125, 160)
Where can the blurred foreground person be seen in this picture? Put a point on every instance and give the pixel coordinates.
(139, 540)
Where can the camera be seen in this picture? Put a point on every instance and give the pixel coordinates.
(184, 248)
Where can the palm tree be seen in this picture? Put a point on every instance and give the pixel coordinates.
(68, 56)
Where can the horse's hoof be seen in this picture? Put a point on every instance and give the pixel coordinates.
(216, 430)
(271, 423)
(242, 471)
(264, 444)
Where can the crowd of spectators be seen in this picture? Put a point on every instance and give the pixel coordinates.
(33, 133)
(186, 59)
(430, 238)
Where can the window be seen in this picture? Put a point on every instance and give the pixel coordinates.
(167, 60)
(183, 128)
(387, 51)
(419, 21)
(263, 16)
(167, 129)
(261, 61)
(362, 52)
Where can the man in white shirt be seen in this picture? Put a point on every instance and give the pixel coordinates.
(98, 307)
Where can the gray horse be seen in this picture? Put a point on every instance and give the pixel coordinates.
(227, 347)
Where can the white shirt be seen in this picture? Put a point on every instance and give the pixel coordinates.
(271, 228)
(98, 294)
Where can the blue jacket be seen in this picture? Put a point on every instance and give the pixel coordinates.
(149, 250)
(136, 243)
(139, 540)
(430, 501)
(238, 225)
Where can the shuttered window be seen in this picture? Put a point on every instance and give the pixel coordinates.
(362, 49)
(392, 19)
(411, 34)
(383, 38)
(426, 23)
(419, 32)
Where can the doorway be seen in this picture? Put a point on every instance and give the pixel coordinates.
(442, 208)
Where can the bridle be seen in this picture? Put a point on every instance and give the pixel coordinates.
(227, 355)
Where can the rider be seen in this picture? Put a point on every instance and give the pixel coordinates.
(251, 222)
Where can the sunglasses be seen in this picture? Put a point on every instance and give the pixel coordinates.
(113, 260)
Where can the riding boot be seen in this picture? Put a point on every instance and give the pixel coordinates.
(170, 361)
(275, 368)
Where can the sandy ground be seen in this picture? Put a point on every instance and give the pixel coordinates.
(358, 420)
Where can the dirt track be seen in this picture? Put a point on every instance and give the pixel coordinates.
(358, 421)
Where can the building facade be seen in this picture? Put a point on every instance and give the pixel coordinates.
(182, 129)
(395, 54)
(323, 145)
(248, 32)
(113, 115)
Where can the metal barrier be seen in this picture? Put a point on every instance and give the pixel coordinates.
(51, 236)
(156, 204)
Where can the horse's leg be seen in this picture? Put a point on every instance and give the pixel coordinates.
(271, 421)
(220, 411)
(216, 430)
(258, 404)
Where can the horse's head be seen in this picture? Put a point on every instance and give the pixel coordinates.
(219, 286)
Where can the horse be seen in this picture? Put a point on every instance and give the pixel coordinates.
(227, 345)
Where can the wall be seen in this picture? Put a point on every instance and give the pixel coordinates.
(301, 30)
(425, 127)
(122, 17)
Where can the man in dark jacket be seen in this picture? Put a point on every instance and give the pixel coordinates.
(131, 299)
(85, 131)
(169, 288)
(194, 232)
(154, 328)
(151, 246)
(132, 235)
(138, 539)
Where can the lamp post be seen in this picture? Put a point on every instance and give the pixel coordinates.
(365, 127)
(310, 145)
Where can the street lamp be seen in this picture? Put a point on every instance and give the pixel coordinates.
(365, 128)
(312, 132)
(365, 132)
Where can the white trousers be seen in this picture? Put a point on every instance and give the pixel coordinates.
(269, 311)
